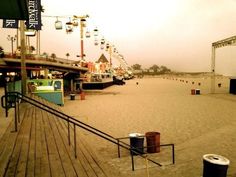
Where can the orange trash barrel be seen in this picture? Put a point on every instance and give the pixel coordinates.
(153, 142)
(82, 96)
(193, 92)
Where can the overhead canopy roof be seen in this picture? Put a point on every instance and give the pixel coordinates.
(14, 9)
(225, 42)
(231, 41)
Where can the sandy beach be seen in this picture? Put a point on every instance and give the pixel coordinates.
(196, 124)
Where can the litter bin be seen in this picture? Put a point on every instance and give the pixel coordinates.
(136, 143)
(192, 91)
(82, 96)
(232, 86)
(72, 96)
(153, 142)
(198, 92)
(215, 165)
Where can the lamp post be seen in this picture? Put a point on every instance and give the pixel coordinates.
(7, 79)
(12, 39)
(109, 48)
(82, 25)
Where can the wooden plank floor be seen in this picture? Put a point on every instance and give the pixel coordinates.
(40, 148)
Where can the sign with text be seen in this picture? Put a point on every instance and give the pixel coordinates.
(10, 23)
(34, 9)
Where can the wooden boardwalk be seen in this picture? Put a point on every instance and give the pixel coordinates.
(40, 148)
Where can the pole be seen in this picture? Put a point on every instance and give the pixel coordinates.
(81, 39)
(75, 140)
(132, 159)
(118, 141)
(23, 65)
(213, 70)
(15, 114)
(110, 52)
(17, 38)
(5, 93)
(12, 40)
(39, 42)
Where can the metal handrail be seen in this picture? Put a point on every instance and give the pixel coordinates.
(75, 122)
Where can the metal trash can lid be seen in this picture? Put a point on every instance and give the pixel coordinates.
(135, 135)
(216, 159)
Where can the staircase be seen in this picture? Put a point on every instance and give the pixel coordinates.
(40, 148)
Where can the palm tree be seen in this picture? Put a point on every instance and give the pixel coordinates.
(155, 68)
(53, 56)
(164, 69)
(1, 52)
(67, 55)
(136, 67)
(31, 49)
(45, 54)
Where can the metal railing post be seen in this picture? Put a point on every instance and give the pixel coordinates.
(6, 101)
(118, 141)
(68, 131)
(18, 109)
(15, 115)
(132, 159)
(75, 140)
(173, 153)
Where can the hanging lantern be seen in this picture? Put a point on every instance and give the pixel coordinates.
(95, 31)
(58, 24)
(87, 34)
(69, 27)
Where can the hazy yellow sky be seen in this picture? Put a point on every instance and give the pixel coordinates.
(175, 33)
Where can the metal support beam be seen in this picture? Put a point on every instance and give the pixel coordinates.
(213, 70)
(221, 43)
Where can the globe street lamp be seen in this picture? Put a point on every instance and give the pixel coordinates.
(82, 25)
(12, 39)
